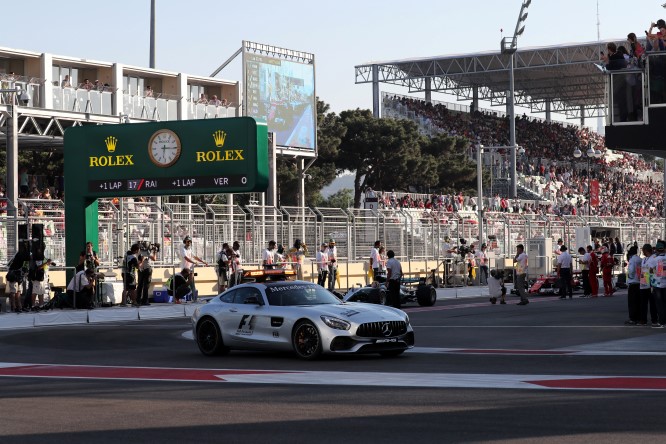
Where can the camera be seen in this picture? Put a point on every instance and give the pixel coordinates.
(195, 274)
(152, 247)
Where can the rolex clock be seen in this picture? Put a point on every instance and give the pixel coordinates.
(164, 148)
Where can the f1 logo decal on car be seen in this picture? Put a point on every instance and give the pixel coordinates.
(246, 326)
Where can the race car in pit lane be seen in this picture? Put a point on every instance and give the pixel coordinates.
(297, 316)
(375, 293)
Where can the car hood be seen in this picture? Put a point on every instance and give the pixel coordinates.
(359, 312)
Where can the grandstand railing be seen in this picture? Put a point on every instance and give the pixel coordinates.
(83, 100)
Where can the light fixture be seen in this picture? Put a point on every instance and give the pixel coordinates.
(590, 152)
(598, 154)
(521, 150)
(577, 153)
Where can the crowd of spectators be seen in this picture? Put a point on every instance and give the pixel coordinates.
(626, 184)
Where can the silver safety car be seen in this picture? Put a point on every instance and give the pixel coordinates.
(298, 316)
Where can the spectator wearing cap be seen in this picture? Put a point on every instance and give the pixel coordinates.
(564, 273)
(647, 297)
(658, 282)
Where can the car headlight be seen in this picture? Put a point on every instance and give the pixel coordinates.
(406, 319)
(335, 323)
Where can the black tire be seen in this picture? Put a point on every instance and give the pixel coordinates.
(209, 338)
(426, 295)
(391, 353)
(306, 341)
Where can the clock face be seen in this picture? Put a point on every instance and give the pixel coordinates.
(164, 148)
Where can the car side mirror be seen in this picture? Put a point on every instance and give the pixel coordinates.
(253, 300)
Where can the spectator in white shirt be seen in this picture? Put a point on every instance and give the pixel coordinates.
(564, 273)
(322, 265)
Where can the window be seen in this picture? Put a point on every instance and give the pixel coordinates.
(242, 295)
(228, 296)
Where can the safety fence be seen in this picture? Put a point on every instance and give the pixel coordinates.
(413, 234)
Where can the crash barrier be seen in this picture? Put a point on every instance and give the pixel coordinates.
(416, 234)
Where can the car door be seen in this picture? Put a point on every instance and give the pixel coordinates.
(248, 321)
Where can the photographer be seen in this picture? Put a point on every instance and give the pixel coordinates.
(15, 278)
(39, 280)
(146, 257)
(91, 261)
(82, 286)
(223, 267)
(180, 285)
(130, 266)
(496, 287)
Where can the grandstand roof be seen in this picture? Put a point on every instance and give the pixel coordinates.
(569, 75)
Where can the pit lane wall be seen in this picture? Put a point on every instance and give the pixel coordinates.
(351, 274)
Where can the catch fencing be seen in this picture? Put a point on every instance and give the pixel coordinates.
(413, 234)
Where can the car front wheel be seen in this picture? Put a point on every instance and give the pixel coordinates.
(209, 338)
(307, 341)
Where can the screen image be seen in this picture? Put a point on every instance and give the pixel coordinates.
(282, 92)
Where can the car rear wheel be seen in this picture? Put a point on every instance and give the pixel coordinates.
(382, 297)
(391, 353)
(426, 295)
(209, 338)
(306, 340)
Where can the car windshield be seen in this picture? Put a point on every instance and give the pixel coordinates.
(299, 294)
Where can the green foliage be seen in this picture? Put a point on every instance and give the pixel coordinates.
(341, 199)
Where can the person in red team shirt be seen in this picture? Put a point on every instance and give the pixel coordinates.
(607, 264)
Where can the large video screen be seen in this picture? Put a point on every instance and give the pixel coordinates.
(282, 92)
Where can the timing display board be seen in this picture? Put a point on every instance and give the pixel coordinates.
(282, 92)
(157, 158)
(167, 158)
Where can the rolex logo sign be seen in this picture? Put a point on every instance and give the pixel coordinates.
(219, 136)
(111, 143)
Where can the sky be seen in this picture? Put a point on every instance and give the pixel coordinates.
(197, 36)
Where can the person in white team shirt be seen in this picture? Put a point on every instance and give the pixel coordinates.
(584, 262)
(633, 281)
(375, 260)
(268, 256)
(482, 262)
(647, 297)
(393, 274)
(657, 264)
(564, 273)
(187, 258)
(496, 287)
(520, 263)
(322, 265)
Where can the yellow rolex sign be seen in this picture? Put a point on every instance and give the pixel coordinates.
(180, 157)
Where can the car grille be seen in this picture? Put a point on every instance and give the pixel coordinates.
(382, 329)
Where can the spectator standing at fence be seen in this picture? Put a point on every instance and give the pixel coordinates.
(322, 265)
(393, 275)
(332, 255)
(66, 83)
(564, 273)
(187, 257)
(633, 281)
(647, 298)
(594, 269)
(584, 261)
(520, 263)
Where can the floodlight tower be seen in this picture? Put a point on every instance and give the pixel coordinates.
(509, 46)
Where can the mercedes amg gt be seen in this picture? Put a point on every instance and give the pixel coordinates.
(297, 316)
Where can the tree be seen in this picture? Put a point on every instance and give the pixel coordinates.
(340, 199)
(385, 154)
(456, 172)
